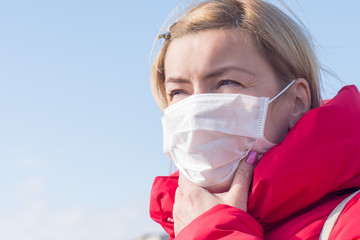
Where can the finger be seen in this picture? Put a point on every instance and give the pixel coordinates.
(178, 193)
(244, 173)
(182, 179)
(185, 183)
(177, 211)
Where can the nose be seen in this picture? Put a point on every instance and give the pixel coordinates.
(201, 87)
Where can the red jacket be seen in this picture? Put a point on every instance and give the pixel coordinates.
(296, 184)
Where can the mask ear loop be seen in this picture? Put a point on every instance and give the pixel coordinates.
(282, 91)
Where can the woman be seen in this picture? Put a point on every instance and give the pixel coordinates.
(239, 81)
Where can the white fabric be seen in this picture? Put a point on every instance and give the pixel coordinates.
(333, 217)
(207, 135)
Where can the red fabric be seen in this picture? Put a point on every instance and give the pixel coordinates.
(162, 199)
(296, 184)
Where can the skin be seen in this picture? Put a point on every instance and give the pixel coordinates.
(221, 61)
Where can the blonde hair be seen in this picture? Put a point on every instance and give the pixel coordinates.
(281, 41)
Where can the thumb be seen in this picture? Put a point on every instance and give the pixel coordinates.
(245, 169)
(239, 189)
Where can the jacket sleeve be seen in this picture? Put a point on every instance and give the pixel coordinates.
(222, 222)
(347, 226)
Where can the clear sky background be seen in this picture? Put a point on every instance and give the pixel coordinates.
(80, 134)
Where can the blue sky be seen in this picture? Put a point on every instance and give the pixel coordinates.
(80, 134)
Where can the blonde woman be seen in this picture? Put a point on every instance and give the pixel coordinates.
(259, 156)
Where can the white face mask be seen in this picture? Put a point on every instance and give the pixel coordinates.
(207, 135)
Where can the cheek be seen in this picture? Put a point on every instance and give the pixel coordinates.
(277, 122)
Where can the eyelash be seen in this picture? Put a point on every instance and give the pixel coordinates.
(221, 83)
(172, 93)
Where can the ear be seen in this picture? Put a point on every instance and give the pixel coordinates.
(301, 100)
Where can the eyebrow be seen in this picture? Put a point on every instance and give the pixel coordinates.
(222, 70)
(177, 80)
(216, 73)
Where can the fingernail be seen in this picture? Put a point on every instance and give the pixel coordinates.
(252, 158)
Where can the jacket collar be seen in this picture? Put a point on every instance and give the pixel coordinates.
(320, 155)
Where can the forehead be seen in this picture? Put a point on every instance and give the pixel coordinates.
(201, 52)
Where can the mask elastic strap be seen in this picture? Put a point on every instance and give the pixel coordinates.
(282, 91)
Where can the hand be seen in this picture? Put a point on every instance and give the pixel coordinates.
(192, 200)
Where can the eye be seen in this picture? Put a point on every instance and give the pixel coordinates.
(176, 94)
(229, 82)
(172, 93)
